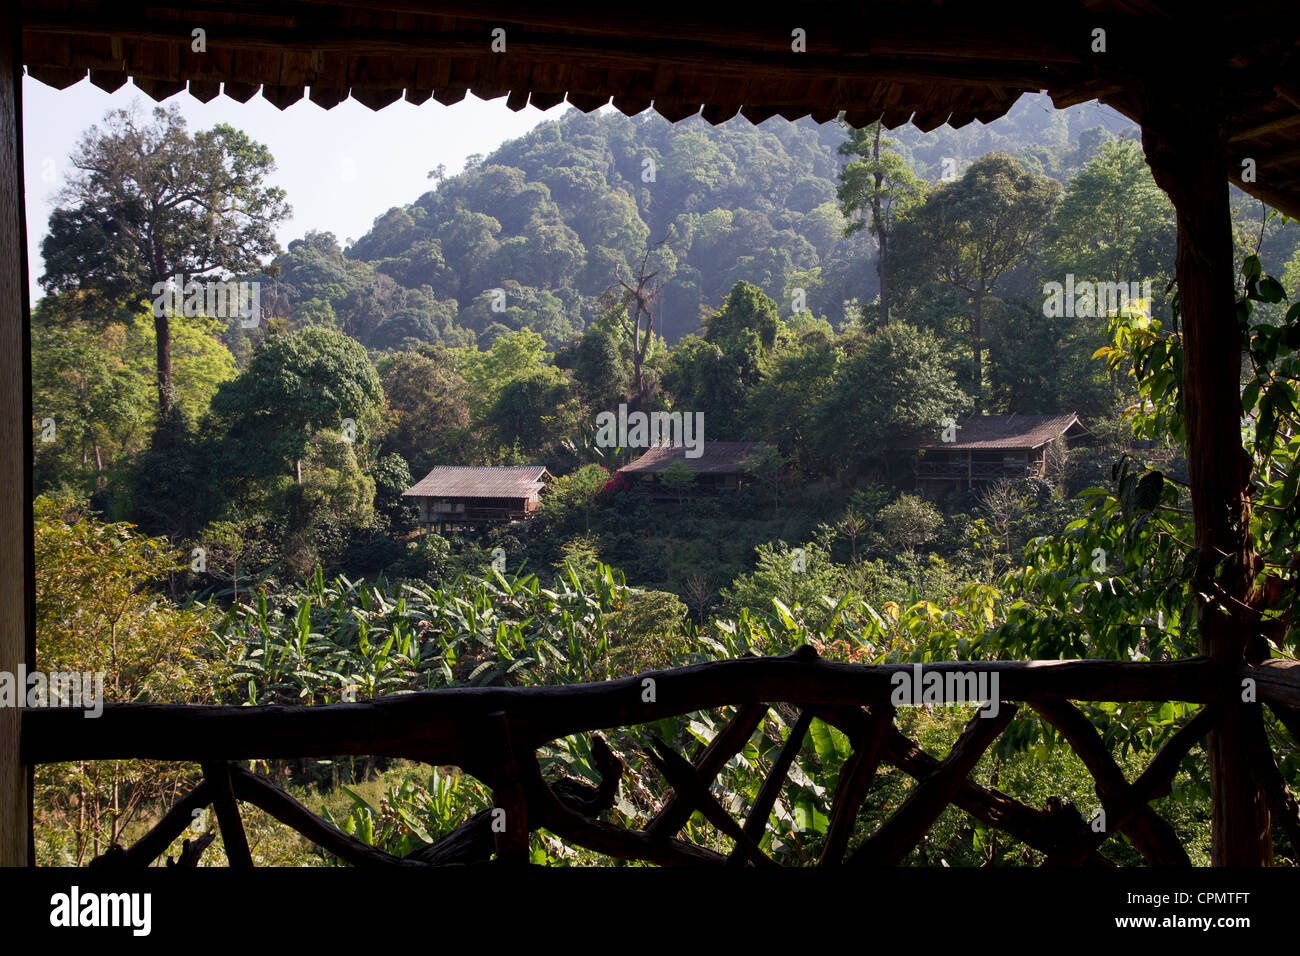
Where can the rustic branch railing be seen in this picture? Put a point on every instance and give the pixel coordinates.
(494, 734)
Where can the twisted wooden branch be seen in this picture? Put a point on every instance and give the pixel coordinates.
(1154, 782)
(909, 823)
(1151, 835)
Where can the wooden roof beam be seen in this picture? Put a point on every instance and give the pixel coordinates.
(849, 29)
(562, 48)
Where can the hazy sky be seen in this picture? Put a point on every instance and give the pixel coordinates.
(341, 168)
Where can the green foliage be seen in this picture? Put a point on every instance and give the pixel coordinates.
(428, 408)
(896, 382)
(97, 613)
(84, 386)
(412, 813)
(678, 477)
(909, 523)
(877, 183)
(292, 506)
(574, 492)
(969, 233)
(299, 389)
(149, 202)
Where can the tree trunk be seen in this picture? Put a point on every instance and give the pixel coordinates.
(638, 387)
(977, 347)
(882, 270)
(882, 237)
(163, 357)
(1186, 150)
(640, 346)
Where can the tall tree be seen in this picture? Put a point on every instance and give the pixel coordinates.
(714, 371)
(149, 202)
(296, 385)
(969, 233)
(638, 300)
(89, 403)
(1114, 223)
(873, 190)
(895, 382)
(428, 403)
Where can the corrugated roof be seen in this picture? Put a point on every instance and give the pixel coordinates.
(462, 481)
(989, 432)
(716, 458)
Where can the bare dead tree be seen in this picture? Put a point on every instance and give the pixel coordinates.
(699, 591)
(638, 300)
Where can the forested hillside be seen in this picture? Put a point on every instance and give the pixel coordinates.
(552, 217)
(832, 296)
(487, 322)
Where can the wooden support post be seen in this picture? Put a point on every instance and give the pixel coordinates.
(17, 639)
(854, 781)
(510, 805)
(217, 775)
(756, 822)
(1185, 146)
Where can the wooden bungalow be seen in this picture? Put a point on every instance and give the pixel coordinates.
(452, 495)
(721, 466)
(1215, 90)
(988, 447)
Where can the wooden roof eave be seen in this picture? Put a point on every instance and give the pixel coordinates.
(919, 62)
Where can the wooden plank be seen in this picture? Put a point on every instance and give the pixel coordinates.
(474, 841)
(1044, 831)
(854, 781)
(152, 39)
(1277, 681)
(509, 805)
(566, 823)
(17, 635)
(1275, 125)
(264, 794)
(695, 793)
(859, 30)
(175, 821)
(1154, 782)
